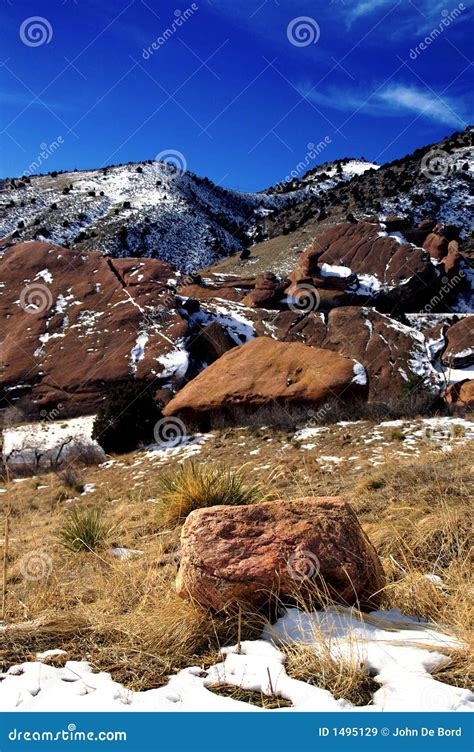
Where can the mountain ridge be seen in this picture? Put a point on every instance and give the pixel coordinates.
(154, 209)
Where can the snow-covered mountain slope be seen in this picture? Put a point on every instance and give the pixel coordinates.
(435, 181)
(133, 210)
(323, 178)
(155, 209)
(448, 195)
(149, 209)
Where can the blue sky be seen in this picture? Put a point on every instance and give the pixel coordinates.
(238, 87)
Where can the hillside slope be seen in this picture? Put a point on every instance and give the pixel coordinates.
(149, 209)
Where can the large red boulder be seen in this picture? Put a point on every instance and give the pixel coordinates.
(459, 351)
(391, 352)
(252, 554)
(266, 373)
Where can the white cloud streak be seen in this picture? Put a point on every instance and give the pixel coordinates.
(393, 100)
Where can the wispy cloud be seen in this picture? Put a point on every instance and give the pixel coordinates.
(366, 7)
(393, 100)
(419, 9)
(402, 98)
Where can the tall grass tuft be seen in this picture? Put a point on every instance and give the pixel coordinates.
(84, 530)
(193, 486)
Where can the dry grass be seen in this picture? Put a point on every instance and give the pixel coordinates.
(268, 702)
(192, 486)
(327, 669)
(459, 671)
(84, 530)
(124, 616)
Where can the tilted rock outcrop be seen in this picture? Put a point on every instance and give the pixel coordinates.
(365, 262)
(265, 373)
(392, 354)
(73, 323)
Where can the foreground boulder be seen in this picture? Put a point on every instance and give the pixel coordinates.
(252, 554)
(266, 373)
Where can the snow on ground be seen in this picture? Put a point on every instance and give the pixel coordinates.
(175, 363)
(373, 444)
(48, 435)
(309, 432)
(138, 350)
(183, 447)
(124, 554)
(400, 652)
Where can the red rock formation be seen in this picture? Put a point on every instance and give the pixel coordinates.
(74, 323)
(461, 395)
(363, 249)
(459, 351)
(265, 372)
(390, 352)
(251, 553)
(436, 244)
